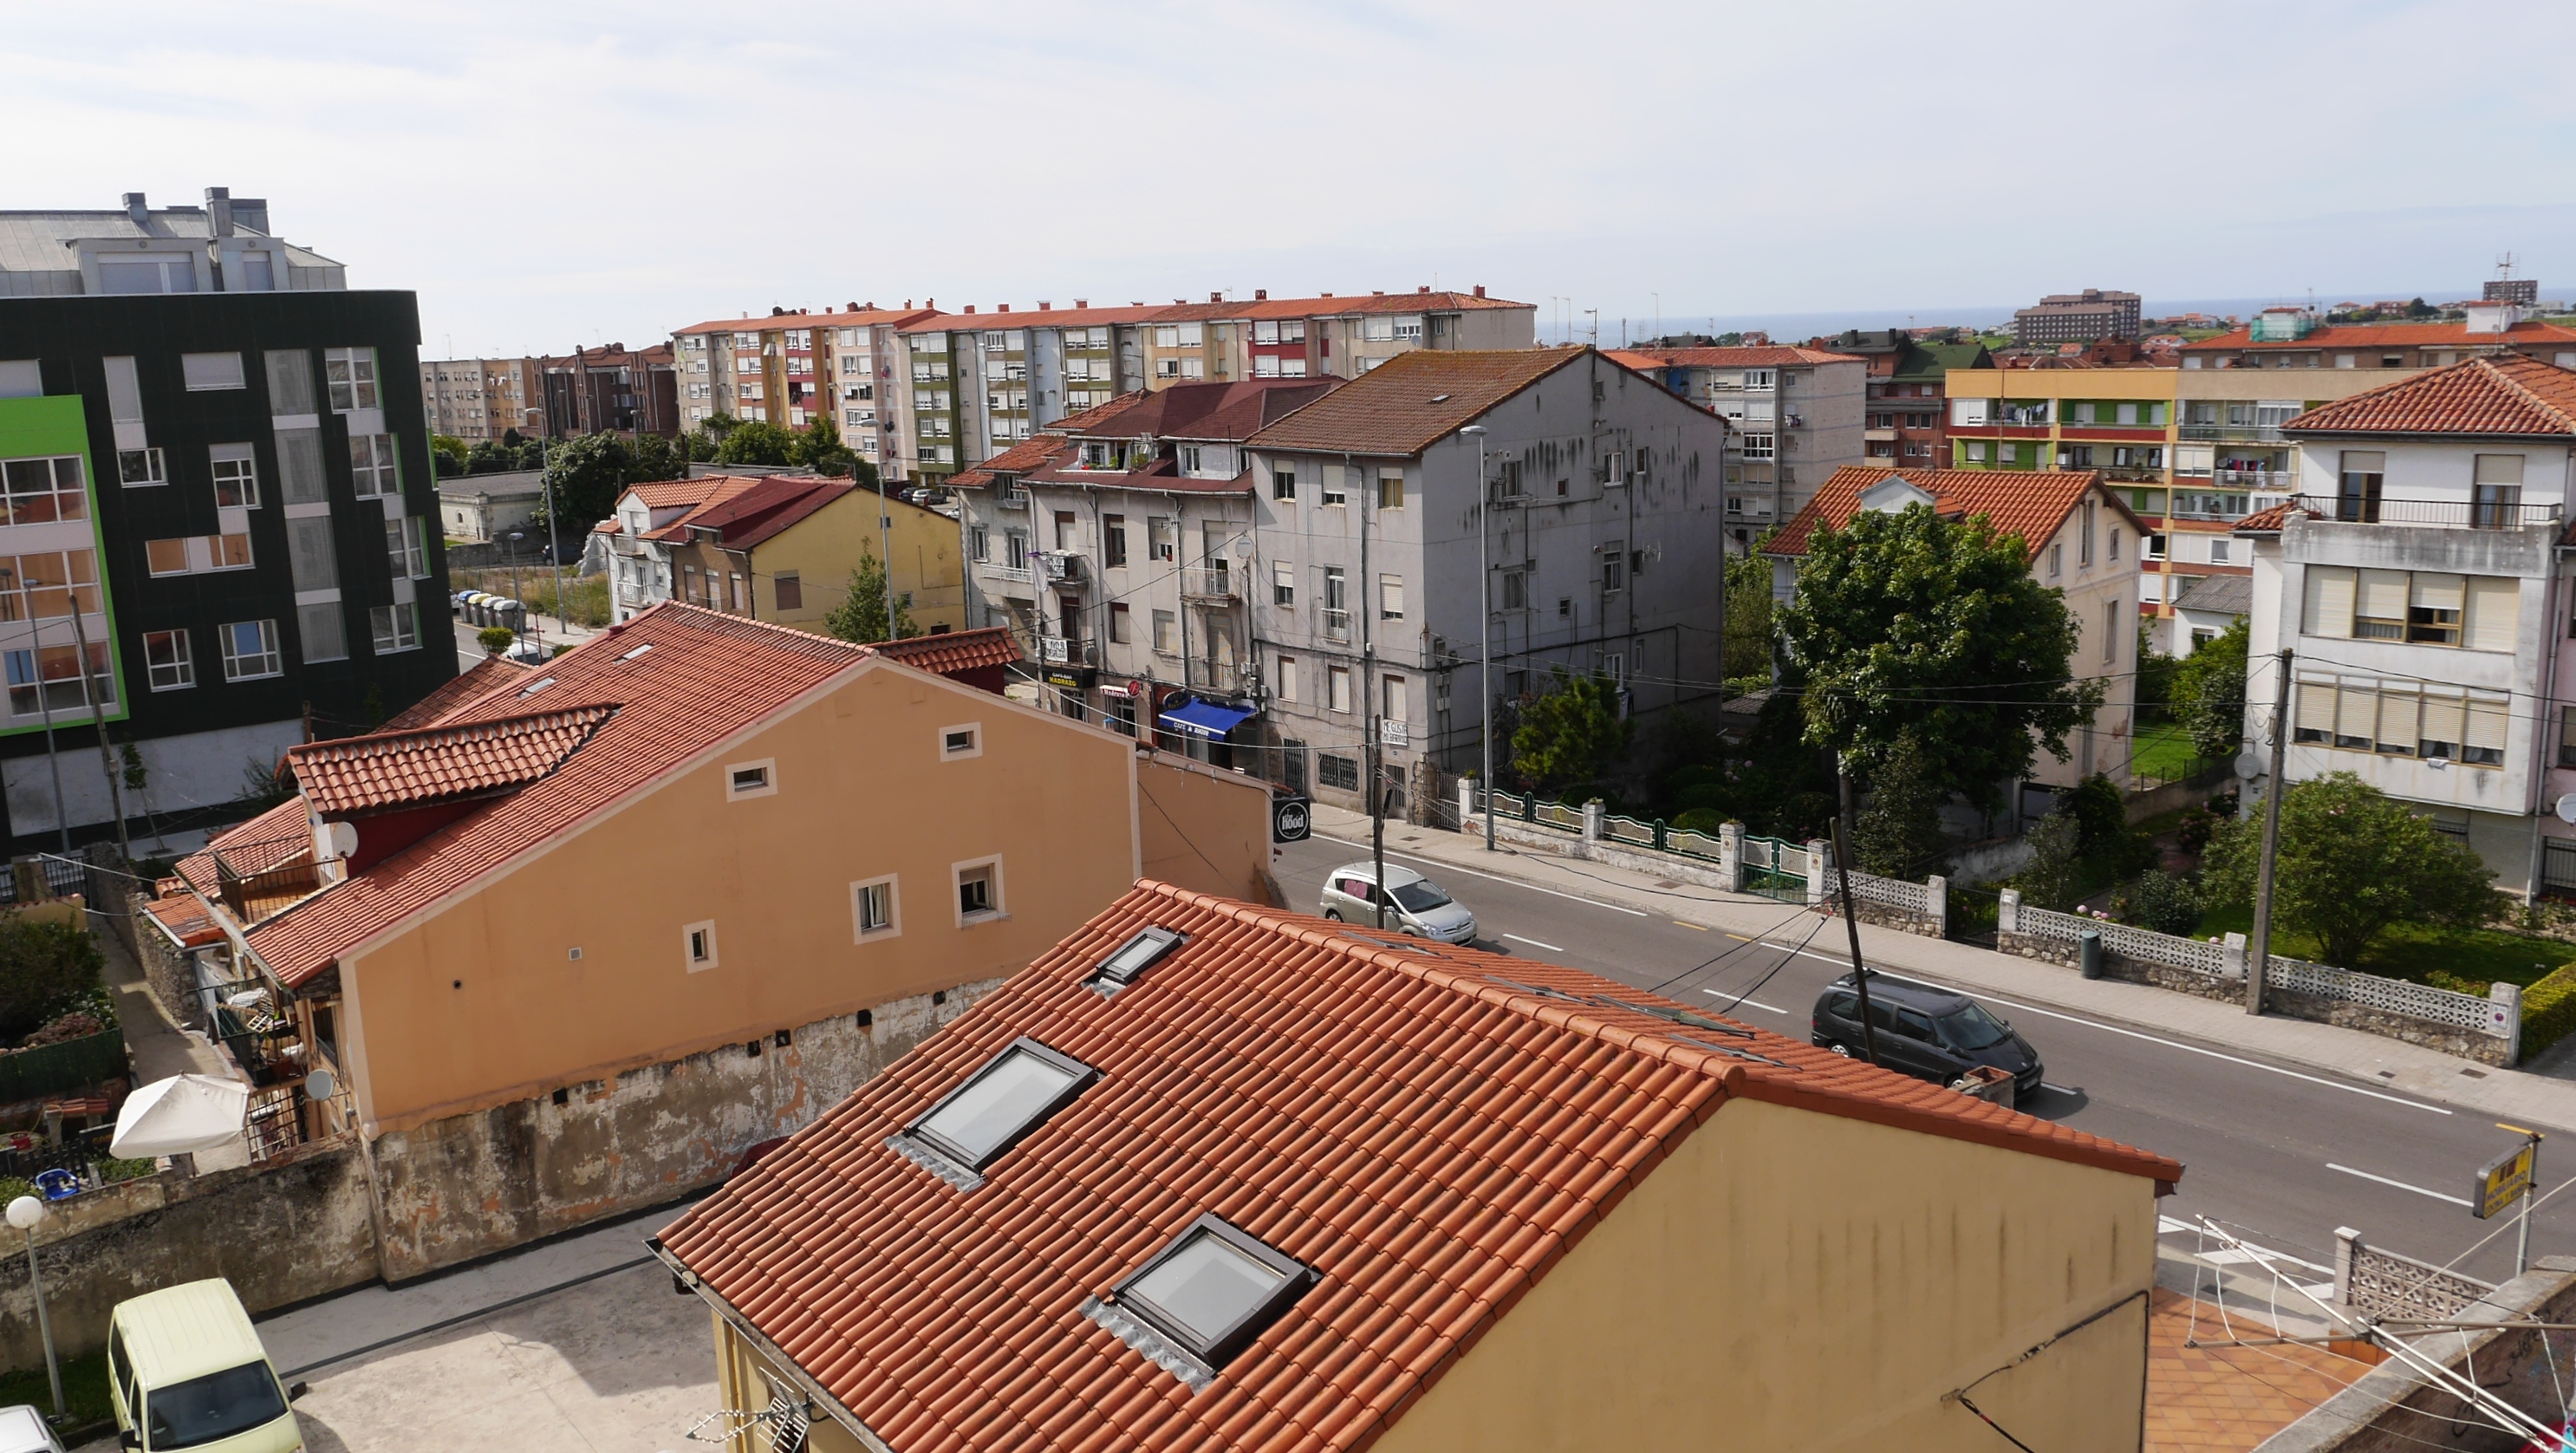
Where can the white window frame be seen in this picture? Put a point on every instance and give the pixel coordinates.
(361, 381)
(697, 954)
(182, 674)
(996, 906)
(156, 469)
(234, 465)
(974, 748)
(766, 786)
(202, 373)
(268, 652)
(394, 628)
(380, 475)
(860, 932)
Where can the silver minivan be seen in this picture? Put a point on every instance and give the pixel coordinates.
(1415, 904)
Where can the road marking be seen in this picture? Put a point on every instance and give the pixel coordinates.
(1702, 927)
(1494, 877)
(2060, 1089)
(1534, 943)
(1747, 1003)
(2401, 1185)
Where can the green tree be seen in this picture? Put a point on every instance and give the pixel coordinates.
(719, 424)
(1570, 733)
(584, 477)
(2155, 671)
(757, 442)
(2209, 693)
(698, 447)
(861, 615)
(449, 454)
(2054, 876)
(2352, 864)
(657, 458)
(46, 965)
(1899, 832)
(1748, 618)
(820, 446)
(1909, 623)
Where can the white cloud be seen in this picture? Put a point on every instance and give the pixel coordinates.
(547, 174)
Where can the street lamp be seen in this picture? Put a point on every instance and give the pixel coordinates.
(1485, 622)
(514, 537)
(26, 1213)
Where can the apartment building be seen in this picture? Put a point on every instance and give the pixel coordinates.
(1120, 551)
(1908, 423)
(789, 368)
(1600, 519)
(2417, 576)
(1345, 337)
(2083, 317)
(219, 524)
(2295, 338)
(612, 389)
(480, 399)
(1794, 416)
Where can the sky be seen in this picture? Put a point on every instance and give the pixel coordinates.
(559, 173)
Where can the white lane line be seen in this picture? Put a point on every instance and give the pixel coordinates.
(1513, 882)
(1747, 1003)
(2130, 1033)
(2060, 1089)
(1534, 943)
(2401, 1185)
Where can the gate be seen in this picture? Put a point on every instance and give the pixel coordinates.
(1775, 868)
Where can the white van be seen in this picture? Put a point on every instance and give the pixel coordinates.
(185, 1370)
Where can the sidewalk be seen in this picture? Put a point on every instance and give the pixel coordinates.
(2515, 1095)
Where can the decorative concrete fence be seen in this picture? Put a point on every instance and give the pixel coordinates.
(2488, 1030)
(2379, 1283)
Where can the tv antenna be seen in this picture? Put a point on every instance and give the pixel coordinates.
(2504, 265)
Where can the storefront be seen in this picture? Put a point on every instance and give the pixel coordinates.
(1203, 725)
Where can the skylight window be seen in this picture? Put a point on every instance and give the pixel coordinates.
(1213, 1289)
(1001, 1103)
(638, 651)
(537, 686)
(1138, 954)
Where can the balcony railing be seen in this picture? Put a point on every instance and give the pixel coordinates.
(1208, 585)
(2280, 479)
(1016, 574)
(1221, 676)
(2455, 513)
(1069, 650)
(2232, 433)
(1336, 624)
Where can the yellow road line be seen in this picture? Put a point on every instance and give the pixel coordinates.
(1702, 927)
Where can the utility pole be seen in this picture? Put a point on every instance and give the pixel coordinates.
(1485, 623)
(1851, 922)
(2258, 953)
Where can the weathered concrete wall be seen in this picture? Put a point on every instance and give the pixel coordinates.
(471, 1185)
(280, 1233)
(1903, 920)
(165, 970)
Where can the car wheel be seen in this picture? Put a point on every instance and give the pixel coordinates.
(1841, 1049)
(1334, 914)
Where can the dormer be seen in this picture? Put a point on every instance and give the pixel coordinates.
(368, 798)
(1896, 494)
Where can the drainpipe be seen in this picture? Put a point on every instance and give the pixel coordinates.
(2550, 596)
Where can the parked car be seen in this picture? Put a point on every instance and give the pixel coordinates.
(1415, 904)
(1933, 1033)
(23, 1430)
(186, 1370)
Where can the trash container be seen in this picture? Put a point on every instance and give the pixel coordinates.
(2089, 951)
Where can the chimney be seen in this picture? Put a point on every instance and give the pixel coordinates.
(135, 211)
(1422, 289)
(219, 211)
(776, 311)
(1045, 307)
(852, 308)
(1216, 297)
(1261, 295)
(970, 310)
(1323, 295)
(1001, 307)
(1082, 302)
(1377, 292)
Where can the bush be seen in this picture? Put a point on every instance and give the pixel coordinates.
(2194, 833)
(1683, 779)
(1704, 797)
(2163, 902)
(496, 639)
(2548, 1010)
(47, 966)
(2055, 877)
(112, 1170)
(1701, 819)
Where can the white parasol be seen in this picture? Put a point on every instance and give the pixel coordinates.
(181, 1114)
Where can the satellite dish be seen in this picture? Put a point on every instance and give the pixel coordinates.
(2248, 765)
(2567, 808)
(344, 839)
(320, 1085)
(1242, 548)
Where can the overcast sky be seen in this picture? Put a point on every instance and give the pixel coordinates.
(549, 173)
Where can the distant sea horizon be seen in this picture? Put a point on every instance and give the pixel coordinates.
(1799, 327)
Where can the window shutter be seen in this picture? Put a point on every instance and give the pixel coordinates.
(2329, 602)
(290, 382)
(2356, 710)
(2499, 469)
(2316, 707)
(310, 557)
(2495, 608)
(2442, 724)
(2441, 592)
(299, 467)
(2382, 595)
(2486, 726)
(2397, 716)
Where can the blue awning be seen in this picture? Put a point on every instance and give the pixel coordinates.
(1208, 719)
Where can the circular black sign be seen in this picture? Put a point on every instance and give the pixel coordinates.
(1289, 820)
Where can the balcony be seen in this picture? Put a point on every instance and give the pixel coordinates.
(1879, 436)
(2131, 473)
(1226, 678)
(1011, 574)
(2233, 433)
(1211, 587)
(1336, 624)
(1069, 650)
(2283, 480)
(2450, 513)
(1062, 567)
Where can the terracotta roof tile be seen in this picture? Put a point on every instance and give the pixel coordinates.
(2268, 522)
(1413, 400)
(2454, 334)
(390, 769)
(488, 674)
(2030, 503)
(950, 652)
(2503, 395)
(1430, 1139)
(712, 491)
(1020, 458)
(1751, 357)
(672, 494)
(2212, 1399)
(185, 920)
(749, 509)
(863, 317)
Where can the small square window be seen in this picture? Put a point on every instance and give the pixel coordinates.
(979, 891)
(698, 943)
(959, 742)
(1213, 1289)
(751, 779)
(875, 911)
(141, 467)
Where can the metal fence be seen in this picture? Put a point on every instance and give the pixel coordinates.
(1775, 868)
(51, 1069)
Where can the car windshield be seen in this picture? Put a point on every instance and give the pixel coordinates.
(1971, 1027)
(216, 1406)
(1418, 897)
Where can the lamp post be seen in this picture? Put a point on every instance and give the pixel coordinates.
(26, 1213)
(1485, 624)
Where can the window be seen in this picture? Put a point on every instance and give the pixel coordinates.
(751, 779)
(1213, 1289)
(2474, 612)
(2154, 549)
(874, 910)
(2220, 550)
(2567, 736)
(1149, 947)
(1287, 678)
(45, 490)
(2056, 561)
(168, 665)
(1283, 583)
(1159, 538)
(250, 650)
(406, 548)
(311, 561)
(2498, 486)
(2403, 720)
(2361, 474)
(44, 586)
(1167, 640)
(1333, 488)
(396, 627)
(1390, 491)
(236, 476)
(2084, 539)
(1113, 540)
(165, 557)
(1614, 566)
(2111, 612)
(979, 891)
(204, 371)
(323, 636)
(47, 679)
(1515, 590)
(1392, 698)
(1013, 1094)
(1283, 484)
(1338, 694)
(1334, 770)
(1390, 597)
(141, 467)
(2115, 542)
(371, 465)
(698, 945)
(957, 743)
(1757, 446)
(352, 373)
(1121, 630)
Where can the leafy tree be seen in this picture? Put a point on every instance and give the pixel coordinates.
(657, 458)
(820, 446)
(1748, 617)
(584, 477)
(698, 447)
(495, 639)
(448, 453)
(2054, 876)
(1899, 832)
(2155, 671)
(861, 615)
(720, 423)
(264, 785)
(757, 442)
(1910, 624)
(1571, 732)
(2352, 863)
(2209, 693)
(46, 965)
(2418, 308)
(511, 438)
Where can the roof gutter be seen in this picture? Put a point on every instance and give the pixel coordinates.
(687, 1282)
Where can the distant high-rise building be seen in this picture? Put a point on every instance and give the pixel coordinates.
(2084, 317)
(2523, 290)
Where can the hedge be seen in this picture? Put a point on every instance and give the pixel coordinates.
(2548, 1010)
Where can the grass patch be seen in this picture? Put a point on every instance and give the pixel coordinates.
(2468, 960)
(2163, 751)
(84, 1389)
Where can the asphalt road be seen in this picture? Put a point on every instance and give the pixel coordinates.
(2282, 1154)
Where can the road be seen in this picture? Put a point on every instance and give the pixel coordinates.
(2281, 1153)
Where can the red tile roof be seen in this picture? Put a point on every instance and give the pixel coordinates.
(2506, 395)
(390, 769)
(1414, 400)
(485, 675)
(2267, 522)
(1758, 357)
(674, 494)
(2453, 334)
(753, 508)
(950, 652)
(1020, 458)
(1432, 1130)
(1230, 411)
(712, 490)
(1031, 318)
(1227, 311)
(864, 317)
(708, 676)
(2030, 503)
(185, 920)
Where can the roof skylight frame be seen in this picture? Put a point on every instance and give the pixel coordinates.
(1218, 1346)
(536, 687)
(1122, 968)
(1082, 1079)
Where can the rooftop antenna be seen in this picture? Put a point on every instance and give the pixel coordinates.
(2504, 265)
